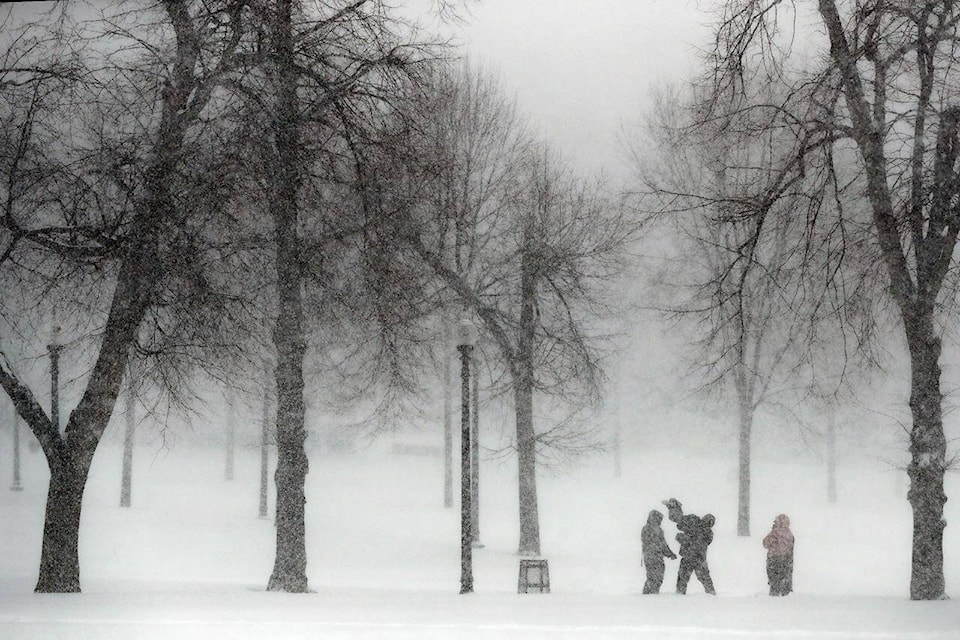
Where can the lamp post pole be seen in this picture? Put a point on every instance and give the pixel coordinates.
(465, 347)
(16, 452)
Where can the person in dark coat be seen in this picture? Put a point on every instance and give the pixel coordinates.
(654, 548)
(695, 535)
(779, 546)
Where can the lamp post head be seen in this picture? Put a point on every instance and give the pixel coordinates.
(466, 333)
(53, 345)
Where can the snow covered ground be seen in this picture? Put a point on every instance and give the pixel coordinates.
(190, 559)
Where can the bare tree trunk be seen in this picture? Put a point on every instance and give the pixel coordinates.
(290, 566)
(126, 472)
(831, 458)
(526, 434)
(927, 460)
(231, 436)
(264, 452)
(745, 410)
(59, 557)
(16, 486)
(447, 419)
(527, 461)
(617, 453)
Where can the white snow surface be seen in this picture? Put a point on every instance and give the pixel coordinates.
(191, 558)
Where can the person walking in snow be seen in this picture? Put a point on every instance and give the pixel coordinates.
(779, 546)
(654, 548)
(695, 535)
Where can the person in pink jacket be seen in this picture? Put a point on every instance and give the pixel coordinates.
(779, 546)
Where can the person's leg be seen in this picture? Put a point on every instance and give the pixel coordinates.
(787, 575)
(773, 575)
(651, 585)
(654, 575)
(703, 575)
(683, 574)
(657, 576)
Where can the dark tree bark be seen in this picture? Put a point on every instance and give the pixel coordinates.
(59, 556)
(524, 386)
(290, 565)
(745, 415)
(927, 462)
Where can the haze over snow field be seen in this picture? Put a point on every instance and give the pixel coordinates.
(191, 558)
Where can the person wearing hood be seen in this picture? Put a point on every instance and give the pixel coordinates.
(654, 548)
(695, 535)
(779, 546)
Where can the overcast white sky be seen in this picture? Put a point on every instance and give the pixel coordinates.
(581, 67)
(578, 67)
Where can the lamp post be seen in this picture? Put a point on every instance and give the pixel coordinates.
(54, 348)
(466, 339)
(16, 486)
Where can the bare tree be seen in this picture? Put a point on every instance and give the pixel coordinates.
(749, 315)
(475, 137)
(70, 217)
(873, 126)
(537, 250)
(326, 76)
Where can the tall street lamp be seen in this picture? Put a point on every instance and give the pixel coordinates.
(466, 339)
